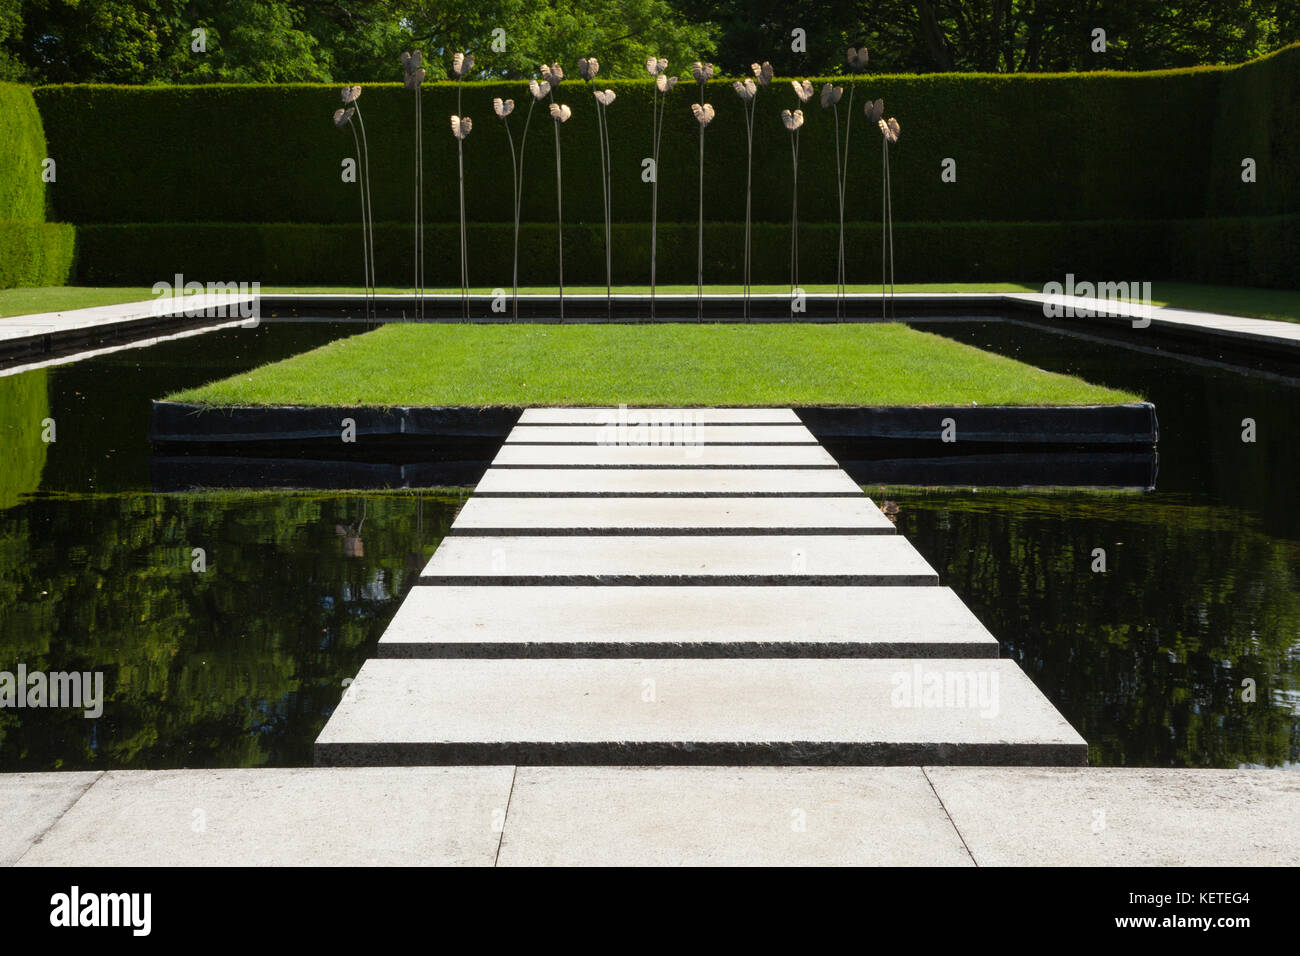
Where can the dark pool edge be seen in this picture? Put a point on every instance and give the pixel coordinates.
(1131, 424)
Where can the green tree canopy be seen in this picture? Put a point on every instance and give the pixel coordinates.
(151, 41)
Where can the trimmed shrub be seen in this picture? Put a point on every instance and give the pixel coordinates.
(22, 148)
(1108, 173)
(1243, 251)
(35, 253)
(32, 252)
(1258, 116)
(1028, 148)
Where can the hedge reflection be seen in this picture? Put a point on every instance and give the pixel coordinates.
(236, 666)
(1147, 659)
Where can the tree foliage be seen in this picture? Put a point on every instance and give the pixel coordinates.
(996, 36)
(152, 41)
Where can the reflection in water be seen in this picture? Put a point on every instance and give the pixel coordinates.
(239, 665)
(1147, 658)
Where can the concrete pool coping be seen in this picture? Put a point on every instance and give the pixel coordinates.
(713, 815)
(45, 334)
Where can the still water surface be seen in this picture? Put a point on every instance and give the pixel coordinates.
(241, 664)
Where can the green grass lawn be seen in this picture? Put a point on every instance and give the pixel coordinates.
(668, 364)
(1280, 304)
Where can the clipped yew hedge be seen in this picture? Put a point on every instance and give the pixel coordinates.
(1137, 175)
(1027, 147)
(32, 252)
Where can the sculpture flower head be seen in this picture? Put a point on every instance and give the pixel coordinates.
(503, 108)
(762, 73)
(343, 117)
(857, 59)
(703, 113)
(889, 129)
(350, 94)
(604, 97)
(461, 64)
(664, 82)
(588, 67)
(413, 67)
(746, 90)
(656, 65)
(560, 112)
(461, 126)
(792, 121)
(552, 74)
(874, 110)
(831, 95)
(803, 89)
(703, 72)
(539, 90)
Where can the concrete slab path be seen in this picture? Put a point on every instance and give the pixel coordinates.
(655, 621)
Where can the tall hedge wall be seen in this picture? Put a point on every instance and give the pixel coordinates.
(1231, 251)
(1102, 155)
(1027, 147)
(32, 252)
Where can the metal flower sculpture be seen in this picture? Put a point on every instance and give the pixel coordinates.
(704, 114)
(560, 113)
(461, 64)
(343, 117)
(413, 70)
(664, 83)
(461, 126)
(830, 100)
(889, 131)
(539, 91)
(793, 121)
(503, 109)
(588, 67)
(747, 90)
(856, 58)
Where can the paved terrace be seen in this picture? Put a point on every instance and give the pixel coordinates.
(520, 816)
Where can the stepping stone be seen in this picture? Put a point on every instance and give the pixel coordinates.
(730, 712)
(703, 416)
(664, 434)
(657, 621)
(560, 516)
(664, 482)
(663, 456)
(869, 559)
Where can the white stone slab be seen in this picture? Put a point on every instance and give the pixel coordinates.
(283, 817)
(1124, 817)
(30, 803)
(663, 456)
(655, 621)
(875, 559)
(727, 816)
(695, 711)
(559, 516)
(214, 305)
(665, 481)
(666, 434)
(703, 416)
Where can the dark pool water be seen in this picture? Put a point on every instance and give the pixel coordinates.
(241, 664)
